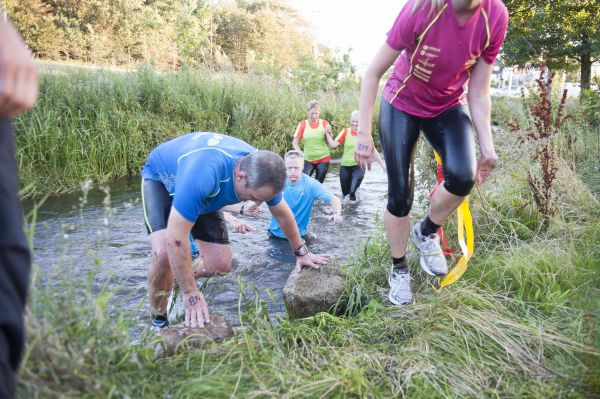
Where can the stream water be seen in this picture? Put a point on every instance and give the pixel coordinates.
(103, 240)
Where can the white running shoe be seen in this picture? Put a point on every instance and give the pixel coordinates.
(432, 257)
(400, 287)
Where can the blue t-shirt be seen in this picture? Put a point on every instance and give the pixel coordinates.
(197, 171)
(300, 198)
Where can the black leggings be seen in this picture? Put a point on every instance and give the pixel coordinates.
(321, 169)
(451, 136)
(350, 179)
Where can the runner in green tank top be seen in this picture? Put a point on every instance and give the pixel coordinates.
(351, 175)
(313, 132)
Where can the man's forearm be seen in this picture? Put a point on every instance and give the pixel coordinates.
(181, 262)
(284, 216)
(290, 230)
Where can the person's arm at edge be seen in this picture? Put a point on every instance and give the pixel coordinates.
(18, 73)
(480, 105)
(385, 57)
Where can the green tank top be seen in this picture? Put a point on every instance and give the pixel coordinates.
(315, 144)
(349, 143)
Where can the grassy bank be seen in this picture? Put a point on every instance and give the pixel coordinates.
(103, 124)
(523, 322)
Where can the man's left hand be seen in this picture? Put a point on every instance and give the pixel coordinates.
(312, 260)
(240, 226)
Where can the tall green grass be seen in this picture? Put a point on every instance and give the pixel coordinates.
(513, 327)
(102, 124)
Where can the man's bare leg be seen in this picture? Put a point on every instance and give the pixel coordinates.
(160, 275)
(215, 259)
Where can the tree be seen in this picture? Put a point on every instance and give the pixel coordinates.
(566, 32)
(34, 19)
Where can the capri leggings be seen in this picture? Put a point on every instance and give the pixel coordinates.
(320, 170)
(451, 136)
(350, 179)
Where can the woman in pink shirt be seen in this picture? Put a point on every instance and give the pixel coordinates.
(444, 52)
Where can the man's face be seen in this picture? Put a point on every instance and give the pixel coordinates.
(293, 167)
(258, 195)
(246, 193)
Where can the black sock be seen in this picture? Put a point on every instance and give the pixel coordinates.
(400, 263)
(160, 317)
(428, 227)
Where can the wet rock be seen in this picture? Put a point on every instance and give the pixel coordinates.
(311, 291)
(172, 339)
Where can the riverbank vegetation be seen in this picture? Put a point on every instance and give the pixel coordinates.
(102, 125)
(523, 322)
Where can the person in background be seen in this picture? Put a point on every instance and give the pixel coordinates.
(312, 133)
(351, 175)
(300, 193)
(444, 51)
(18, 93)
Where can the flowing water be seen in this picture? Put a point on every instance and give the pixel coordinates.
(104, 240)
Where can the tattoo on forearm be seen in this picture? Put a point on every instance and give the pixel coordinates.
(194, 300)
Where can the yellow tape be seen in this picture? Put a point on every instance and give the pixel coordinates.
(465, 225)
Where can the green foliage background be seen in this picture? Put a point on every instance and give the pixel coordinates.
(102, 125)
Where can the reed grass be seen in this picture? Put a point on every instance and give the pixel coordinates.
(102, 124)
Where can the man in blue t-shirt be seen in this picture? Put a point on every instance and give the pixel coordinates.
(185, 183)
(300, 194)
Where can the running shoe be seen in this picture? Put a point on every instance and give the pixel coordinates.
(160, 321)
(400, 287)
(432, 257)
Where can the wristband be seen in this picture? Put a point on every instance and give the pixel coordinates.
(242, 210)
(301, 250)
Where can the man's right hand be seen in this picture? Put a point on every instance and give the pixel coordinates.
(312, 260)
(196, 309)
(18, 74)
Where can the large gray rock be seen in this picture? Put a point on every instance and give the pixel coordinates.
(311, 291)
(172, 339)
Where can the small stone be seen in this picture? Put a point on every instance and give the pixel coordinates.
(172, 339)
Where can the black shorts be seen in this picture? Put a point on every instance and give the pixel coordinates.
(156, 202)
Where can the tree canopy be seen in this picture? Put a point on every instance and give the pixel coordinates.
(167, 33)
(565, 32)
